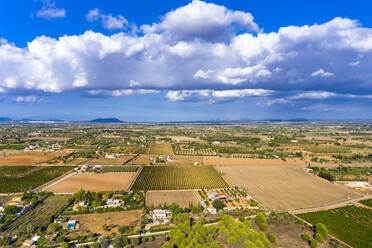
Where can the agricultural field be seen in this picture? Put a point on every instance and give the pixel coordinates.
(182, 198)
(217, 161)
(357, 220)
(182, 149)
(38, 218)
(161, 149)
(367, 203)
(142, 159)
(185, 160)
(28, 158)
(109, 181)
(109, 161)
(94, 222)
(285, 187)
(178, 177)
(20, 178)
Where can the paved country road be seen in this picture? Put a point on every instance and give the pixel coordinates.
(336, 205)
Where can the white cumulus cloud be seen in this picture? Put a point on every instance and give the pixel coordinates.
(50, 11)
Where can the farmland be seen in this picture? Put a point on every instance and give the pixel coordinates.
(21, 178)
(37, 219)
(94, 222)
(367, 203)
(217, 161)
(28, 158)
(109, 161)
(157, 149)
(178, 177)
(351, 224)
(95, 182)
(181, 198)
(285, 187)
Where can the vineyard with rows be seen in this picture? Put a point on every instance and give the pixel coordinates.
(178, 177)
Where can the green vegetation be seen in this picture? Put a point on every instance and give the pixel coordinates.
(22, 178)
(367, 203)
(124, 168)
(351, 224)
(39, 218)
(343, 173)
(178, 177)
(228, 231)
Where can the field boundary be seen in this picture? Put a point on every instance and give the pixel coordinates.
(135, 177)
(331, 206)
(311, 225)
(55, 181)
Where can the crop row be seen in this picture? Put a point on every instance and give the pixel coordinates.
(178, 177)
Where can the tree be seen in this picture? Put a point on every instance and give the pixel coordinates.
(322, 229)
(118, 242)
(122, 229)
(260, 218)
(313, 243)
(64, 245)
(218, 204)
(319, 237)
(306, 237)
(272, 237)
(136, 241)
(263, 226)
(10, 209)
(181, 218)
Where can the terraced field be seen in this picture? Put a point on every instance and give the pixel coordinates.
(178, 177)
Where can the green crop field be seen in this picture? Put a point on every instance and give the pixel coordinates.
(124, 168)
(180, 177)
(20, 178)
(367, 203)
(351, 224)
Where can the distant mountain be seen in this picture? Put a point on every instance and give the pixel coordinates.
(5, 119)
(106, 120)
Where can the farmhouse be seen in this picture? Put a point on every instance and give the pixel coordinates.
(113, 203)
(212, 210)
(81, 204)
(161, 214)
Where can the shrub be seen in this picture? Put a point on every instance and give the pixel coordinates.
(319, 237)
(218, 204)
(322, 229)
(306, 237)
(313, 243)
(263, 226)
(136, 241)
(272, 237)
(260, 218)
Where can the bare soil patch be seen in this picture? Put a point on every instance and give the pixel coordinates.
(142, 159)
(95, 182)
(182, 198)
(217, 161)
(185, 160)
(285, 187)
(28, 158)
(94, 222)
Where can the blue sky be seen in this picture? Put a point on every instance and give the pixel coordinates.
(185, 60)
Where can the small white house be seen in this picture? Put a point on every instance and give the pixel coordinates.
(161, 214)
(212, 210)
